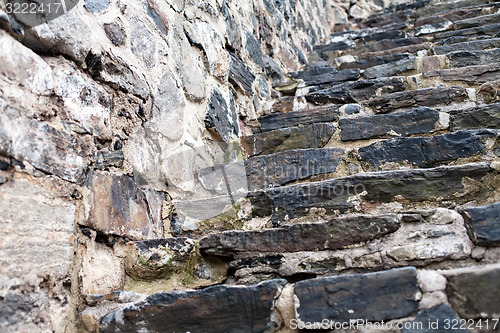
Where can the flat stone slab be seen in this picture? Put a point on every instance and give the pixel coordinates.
(350, 74)
(390, 68)
(331, 235)
(321, 114)
(272, 170)
(469, 46)
(374, 296)
(477, 21)
(484, 224)
(420, 97)
(441, 184)
(426, 152)
(371, 62)
(355, 92)
(384, 45)
(240, 74)
(487, 30)
(312, 136)
(214, 309)
(436, 320)
(473, 58)
(474, 74)
(416, 121)
(483, 116)
(475, 293)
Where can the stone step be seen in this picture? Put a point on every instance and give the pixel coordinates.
(388, 17)
(372, 62)
(381, 35)
(483, 224)
(455, 15)
(315, 135)
(440, 186)
(467, 58)
(483, 116)
(431, 97)
(476, 45)
(425, 152)
(473, 74)
(437, 7)
(486, 30)
(332, 77)
(390, 69)
(417, 121)
(384, 45)
(477, 21)
(320, 114)
(356, 92)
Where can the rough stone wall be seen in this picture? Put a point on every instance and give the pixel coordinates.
(93, 105)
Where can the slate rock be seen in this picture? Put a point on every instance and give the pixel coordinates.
(376, 296)
(214, 309)
(340, 76)
(311, 136)
(416, 121)
(415, 185)
(115, 33)
(441, 7)
(385, 45)
(355, 92)
(142, 43)
(331, 235)
(483, 116)
(97, 7)
(314, 69)
(390, 68)
(221, 118)
(475, 293)
(106, 159)
(453, 15)
(412, 48)
(426, 152)
(118, 207)
(436, 320)
(253, 49)
(381, 35)
(472, 58)
(483, 224)
(372, 62)
(487, 30)
(476, 45)
(419, 97)
(273, 69)
(240, 74)
(477, 21)
(273, 121)
(489, 92)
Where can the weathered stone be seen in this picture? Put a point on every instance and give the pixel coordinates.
(117, 73)
(142, 43)
(273, 121)
(116, 206)
(385, 45)
(386, 18)
(273, 69)
(390, 68)
(43, 146)
(419, 97)
(475, 293)
(333, 77)
(413, 48)
(211, 310)
(474, 74)
(378, 296)
(115, 33)
(484, 224)
(311, 136)
(488, 30)
(253, 49)
(426, 152)
(314, 69)
(483, 116)
(332, 235)
(489, 92)
(446, 6)
(416, 121)
(477, 45)
(232, 28)
(275, 169)
(437, 184)
(381, 35)
(355, 92)
(221, 118)
(106, 159)
(477, 21)
(436, 320)
(433, 28)
(97, 7)
(240, 74)
(372, 62)
(325, 50)
(472, 58)
(453, 15)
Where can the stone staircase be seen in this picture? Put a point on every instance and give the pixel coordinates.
(373, 193)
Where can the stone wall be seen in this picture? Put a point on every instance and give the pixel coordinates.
(97, 109)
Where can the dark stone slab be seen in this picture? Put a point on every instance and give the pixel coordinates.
(487, 30)
(483, 224)
(371, 62)
(413, 48)
(419, 97)
(477, 21)
(390, 69)
(381, 35)
(484, 116)
(324, 50)
(221, 118)
(106, 159)
(331, 235)
(489, 92)
(474, 74)
(272, 170)
(426, 152)
(333, 77)
(475, 294)
(388, 17)
(440, 184)
(273, 121)
(441, 7)
(312, 136)
(416, 121)
(436, 320)
(115, 33)
(214, 309)
(253, 49)
(322, 68)
(374, 296)
(472, 58)
(386, 44)
(476, 45)
(453, 15)
(355, 92)
(240, 75)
